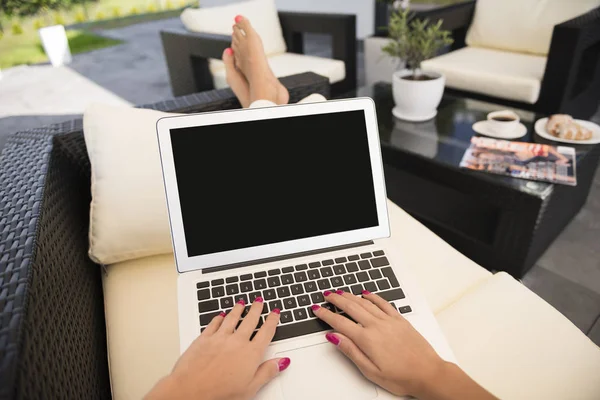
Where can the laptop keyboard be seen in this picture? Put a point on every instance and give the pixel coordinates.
(294, 289)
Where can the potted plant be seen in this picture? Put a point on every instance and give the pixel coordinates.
(417, 93)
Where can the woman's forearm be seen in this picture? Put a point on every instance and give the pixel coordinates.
(450, 382)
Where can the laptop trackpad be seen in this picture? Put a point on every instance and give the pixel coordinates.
(323, 372)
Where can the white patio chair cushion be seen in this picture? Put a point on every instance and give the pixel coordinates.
(503, 74)
(289, 64)
(522, 26)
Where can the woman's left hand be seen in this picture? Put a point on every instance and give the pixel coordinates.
(223, 363)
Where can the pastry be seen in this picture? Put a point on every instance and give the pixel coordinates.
(562, 126)
(555, 121)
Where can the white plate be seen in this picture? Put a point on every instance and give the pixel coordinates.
(398, 114)
(540, 129)
(483, 128)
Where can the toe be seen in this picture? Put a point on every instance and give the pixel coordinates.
(228, 58)
(244, 23)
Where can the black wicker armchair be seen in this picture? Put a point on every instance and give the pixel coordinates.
(52, 327)
(571, 82)
(187, 53)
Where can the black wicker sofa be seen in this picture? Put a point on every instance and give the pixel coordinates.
(52, 327)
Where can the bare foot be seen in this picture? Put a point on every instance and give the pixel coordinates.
(250, 59)
(235, 79)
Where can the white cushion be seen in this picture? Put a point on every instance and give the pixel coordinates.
(128, 212)
(141, 301)
(518, 346)
(511, 76)
(219, 20)
(524, 25)
(289, 64)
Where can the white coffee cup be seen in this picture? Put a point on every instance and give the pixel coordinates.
(503, 122)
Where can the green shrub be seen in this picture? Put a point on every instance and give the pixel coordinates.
(80, 17)
(169, 5)
(59, 19)
(152, 8)
(134, 11)
(38, 24)
(100, 15)
(16, 29)
(116, 12)
(1, 35)
(182, 3)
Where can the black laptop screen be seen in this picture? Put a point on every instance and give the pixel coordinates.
(262, 182)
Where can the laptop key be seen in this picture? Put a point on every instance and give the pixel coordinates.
(356, 289)
(378, 253)
(269, 294)
(353, 258)
(349, 279)
(246, 277)
(216, 282)
(339, 269)
(218, 291)
(273, 281)
(383, 284)
(227, 302)
(365, 255)
(389, 273)
(252, 296)
(315, 264)
(394, 294)
(260, 274)
(324, 284)
(231, 279)
(303, 300)
(337, 281)
(371, 287)
(300, 277)
(210, 305)
(275, 271)
(290, 303)
(362, 276)
(246, 286)
(239, 297)
(297, 289)
(352, 267)
(329, 306)
(203, 294)
(314, 274)
(375, 274)
(260, 284)
(206, 318)
(317, 298)
(340, 260)
(310, 286)
(404, 309)
(345, 289)
(232, 289)
(283, 292)
(285, 317)
(301, 267)
(327, 262)
(300, 314)
(287, 270)
(245, 312)
(275, 304)
(326, 272)
(364, 264)
(301, 328)
(287, 279)
(202, 285)
(379, 262)
(265, 309)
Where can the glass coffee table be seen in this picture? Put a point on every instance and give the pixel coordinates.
(500, 222)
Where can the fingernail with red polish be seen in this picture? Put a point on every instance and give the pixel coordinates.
(326, 293)
(331, 338)
(366, 292)
(276, 310)
(242, 302)
(222, 314)
(229, 50)
(259, 299)
(315, 307)
(238, 19)
(283, 363)
(340, 292)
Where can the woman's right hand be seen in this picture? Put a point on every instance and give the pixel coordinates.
(390, 352)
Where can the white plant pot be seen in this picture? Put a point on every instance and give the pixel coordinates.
(417, 100)
(56, 45)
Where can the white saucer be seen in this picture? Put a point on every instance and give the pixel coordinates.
(540, 129)
(398, 114)
(483, 128)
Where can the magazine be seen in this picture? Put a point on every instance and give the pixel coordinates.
(538, 162)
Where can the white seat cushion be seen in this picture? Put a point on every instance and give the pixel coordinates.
(518, 346)
(289, 64)
(511, 76)
(219, 20)
(522, 26)
(141, 301)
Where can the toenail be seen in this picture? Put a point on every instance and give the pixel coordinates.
(238, 18)
(229, 50)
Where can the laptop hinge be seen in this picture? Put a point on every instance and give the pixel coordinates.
(284, 257)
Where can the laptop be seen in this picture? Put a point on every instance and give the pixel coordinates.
(284, 203)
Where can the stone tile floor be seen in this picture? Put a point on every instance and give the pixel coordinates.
(567, 275)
